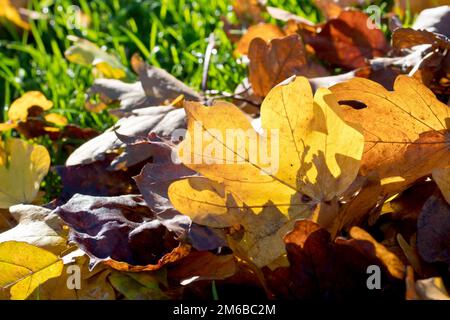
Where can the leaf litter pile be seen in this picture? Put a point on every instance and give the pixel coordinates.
(148, 210)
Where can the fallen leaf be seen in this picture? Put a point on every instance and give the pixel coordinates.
(433, 231)
(163, 121)
(347, 41)
(417, 6)
(159, 84)
(205, 265)
(265, 31)
(272, 63)
(24, 267)
(20, 108)
(122, 232)
(284, 15)
(141, 286)
(442, 178)
(23, 168)
(434, 20)
(313, 167)
(37, 226)
(404, 129)
(323, 269)
(86, 53)
(94, 284)
(426, 289)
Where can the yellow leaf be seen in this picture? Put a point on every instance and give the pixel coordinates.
(87, 53)
(305, 154)
(7, 126)
(24, 267)
(405, 129)
(21, 171)
(10, 12)
(442, 179)
(56, 119)
(20, 107)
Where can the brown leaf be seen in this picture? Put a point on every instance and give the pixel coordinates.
(265, 31)
(433, 230)
(249, 11)
(272, 63)
(322, 269)
(347, 41)
(204, 265)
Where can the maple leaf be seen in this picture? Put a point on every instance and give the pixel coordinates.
(405, 130)
(22, 168)
(317, 161)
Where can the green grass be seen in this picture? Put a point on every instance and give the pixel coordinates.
(171, 34)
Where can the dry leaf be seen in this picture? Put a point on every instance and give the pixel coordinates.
(442, 179)
(249, 11)
(21, 171)
(433, 231)
(86, 53)
(24, 267)
(313, 163)
(347, 41)
(405, 131)
(265, 31)
(272, 63)
(37, 226)
(123, 233)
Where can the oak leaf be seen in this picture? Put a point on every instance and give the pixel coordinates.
(317, 155)
(405, 130)
(272, 63)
